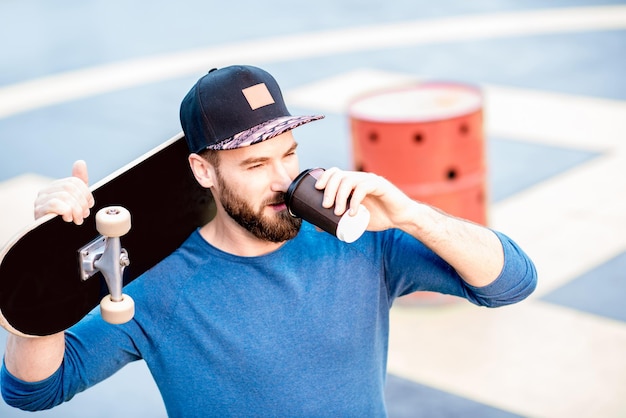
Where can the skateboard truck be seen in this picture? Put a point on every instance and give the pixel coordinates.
(106, 255)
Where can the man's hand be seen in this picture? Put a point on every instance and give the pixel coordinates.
(69, 197)
(389, 207)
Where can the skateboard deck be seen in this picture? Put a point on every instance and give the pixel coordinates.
(42, 290)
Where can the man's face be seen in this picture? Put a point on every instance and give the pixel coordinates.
(251, 183)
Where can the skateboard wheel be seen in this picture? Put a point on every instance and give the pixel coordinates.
(117, 312)
(113, 221)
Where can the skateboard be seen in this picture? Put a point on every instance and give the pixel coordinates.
(54, 273)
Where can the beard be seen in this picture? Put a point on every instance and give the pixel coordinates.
(278, 228)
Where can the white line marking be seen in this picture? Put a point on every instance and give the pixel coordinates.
(535, 359)
(72, 85)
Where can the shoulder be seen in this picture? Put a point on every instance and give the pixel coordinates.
(170, 273)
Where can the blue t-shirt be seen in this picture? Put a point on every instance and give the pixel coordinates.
(302, 331)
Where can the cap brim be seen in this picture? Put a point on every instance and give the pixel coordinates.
(267, 130)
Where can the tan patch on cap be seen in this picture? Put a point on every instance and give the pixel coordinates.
(258, 96)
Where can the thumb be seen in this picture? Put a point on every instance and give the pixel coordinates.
(79, 169)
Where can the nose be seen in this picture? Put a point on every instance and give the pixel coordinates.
(282, 178)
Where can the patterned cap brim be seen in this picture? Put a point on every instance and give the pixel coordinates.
(266, 130)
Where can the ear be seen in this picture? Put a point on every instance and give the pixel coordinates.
(202, 170)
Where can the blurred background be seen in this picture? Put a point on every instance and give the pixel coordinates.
(102, 81)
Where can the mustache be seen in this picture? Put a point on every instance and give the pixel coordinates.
(277, 199)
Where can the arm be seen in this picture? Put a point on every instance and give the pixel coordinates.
(475, 252)
(35, 359)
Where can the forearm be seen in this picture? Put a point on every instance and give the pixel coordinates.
(34, 359)
(475, 252)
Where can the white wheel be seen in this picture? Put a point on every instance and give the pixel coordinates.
(117, 312)
(113, 221)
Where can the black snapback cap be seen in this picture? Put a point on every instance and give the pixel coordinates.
(234, 107)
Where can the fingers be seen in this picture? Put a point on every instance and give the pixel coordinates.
(330, 181)
(79, 169)
(69, 198)
(342, 188)
(387, 205)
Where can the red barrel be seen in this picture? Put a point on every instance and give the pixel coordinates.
(428, 140)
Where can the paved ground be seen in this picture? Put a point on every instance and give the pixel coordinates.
(103, 81)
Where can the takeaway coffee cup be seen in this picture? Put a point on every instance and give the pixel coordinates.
(305, 201)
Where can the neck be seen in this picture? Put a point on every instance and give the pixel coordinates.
(227, 235)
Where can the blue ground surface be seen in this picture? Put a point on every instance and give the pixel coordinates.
(40, 38)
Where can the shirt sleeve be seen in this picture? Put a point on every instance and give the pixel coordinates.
(94, 350)
(410, 267)
(517, 280)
